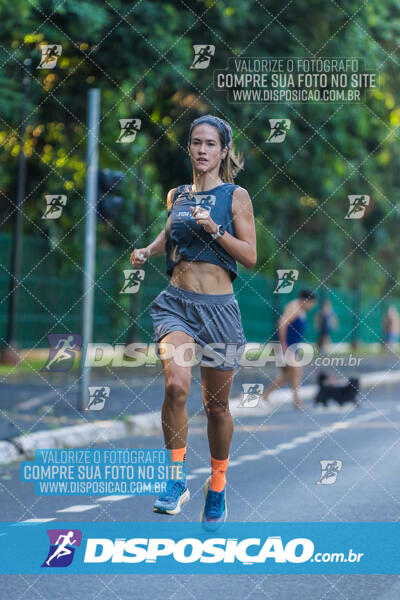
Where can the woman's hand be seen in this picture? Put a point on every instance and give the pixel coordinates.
(202, 216)
(139, 257)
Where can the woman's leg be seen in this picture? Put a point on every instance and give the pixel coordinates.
(216, 385)
(174, 420)
(177, 386)
(278, 381)
(295, 374)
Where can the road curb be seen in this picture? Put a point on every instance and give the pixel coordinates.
(8, 453)
(78, 436)
(23, 447)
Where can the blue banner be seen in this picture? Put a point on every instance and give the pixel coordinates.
(171, 547)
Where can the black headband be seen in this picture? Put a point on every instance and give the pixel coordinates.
(216, 122)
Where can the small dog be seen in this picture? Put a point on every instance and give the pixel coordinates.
(340, 393)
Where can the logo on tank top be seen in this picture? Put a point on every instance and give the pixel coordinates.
(286, 280)
(206, 201)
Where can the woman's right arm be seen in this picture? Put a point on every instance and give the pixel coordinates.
(139, 256)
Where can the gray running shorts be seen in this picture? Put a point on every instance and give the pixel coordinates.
(212, 320)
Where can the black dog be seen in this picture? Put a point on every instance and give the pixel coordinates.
(340, 393)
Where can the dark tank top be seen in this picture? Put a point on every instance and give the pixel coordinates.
(295, 330)
(185, 240)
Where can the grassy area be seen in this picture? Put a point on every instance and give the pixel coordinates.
(26, 366)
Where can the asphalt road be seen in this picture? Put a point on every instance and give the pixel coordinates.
(40, 401)
(272, 477)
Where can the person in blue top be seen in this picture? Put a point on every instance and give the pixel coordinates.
(291, 330)
(210, 227)
(325, 321)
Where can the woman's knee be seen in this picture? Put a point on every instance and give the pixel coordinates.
(177, 388)
(216, 410)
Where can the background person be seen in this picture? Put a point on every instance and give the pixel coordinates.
(202, 247)
(325, 322)
(391, 327)
(291, 329)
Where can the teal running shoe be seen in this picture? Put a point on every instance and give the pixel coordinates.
(170, 502)
(215, 509)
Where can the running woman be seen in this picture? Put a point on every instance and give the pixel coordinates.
(291, 329)
(198, 306)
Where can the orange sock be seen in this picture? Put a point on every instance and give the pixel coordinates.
(178, 454)
(218, 470)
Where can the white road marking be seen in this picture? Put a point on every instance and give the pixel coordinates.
(33, 521)
(286, 446)
(36, 401)
(78, 508)
(303, 439)
(312, 435)
(113, 498)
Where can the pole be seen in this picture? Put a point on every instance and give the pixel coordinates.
(93, 108)
(10, 349)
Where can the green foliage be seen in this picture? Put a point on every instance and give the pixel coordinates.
(139, 55)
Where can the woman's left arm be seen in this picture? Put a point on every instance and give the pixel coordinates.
(242, 247)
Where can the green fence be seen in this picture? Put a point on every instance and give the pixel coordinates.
(49, 302)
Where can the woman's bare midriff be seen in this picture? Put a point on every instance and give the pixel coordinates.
(201, 277)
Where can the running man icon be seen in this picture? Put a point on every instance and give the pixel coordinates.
(132, 281)
(279, 129)
(254, 389)
(251, 395)
(54, 206)
(129, 129)
(98, 397)
(357, 207)
(329, 471)
(66, 347)
(207, 202)
(202, 55)
(50, 54)
(287, 279)
(61, 551)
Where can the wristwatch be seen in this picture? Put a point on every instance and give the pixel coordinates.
(220, 231)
